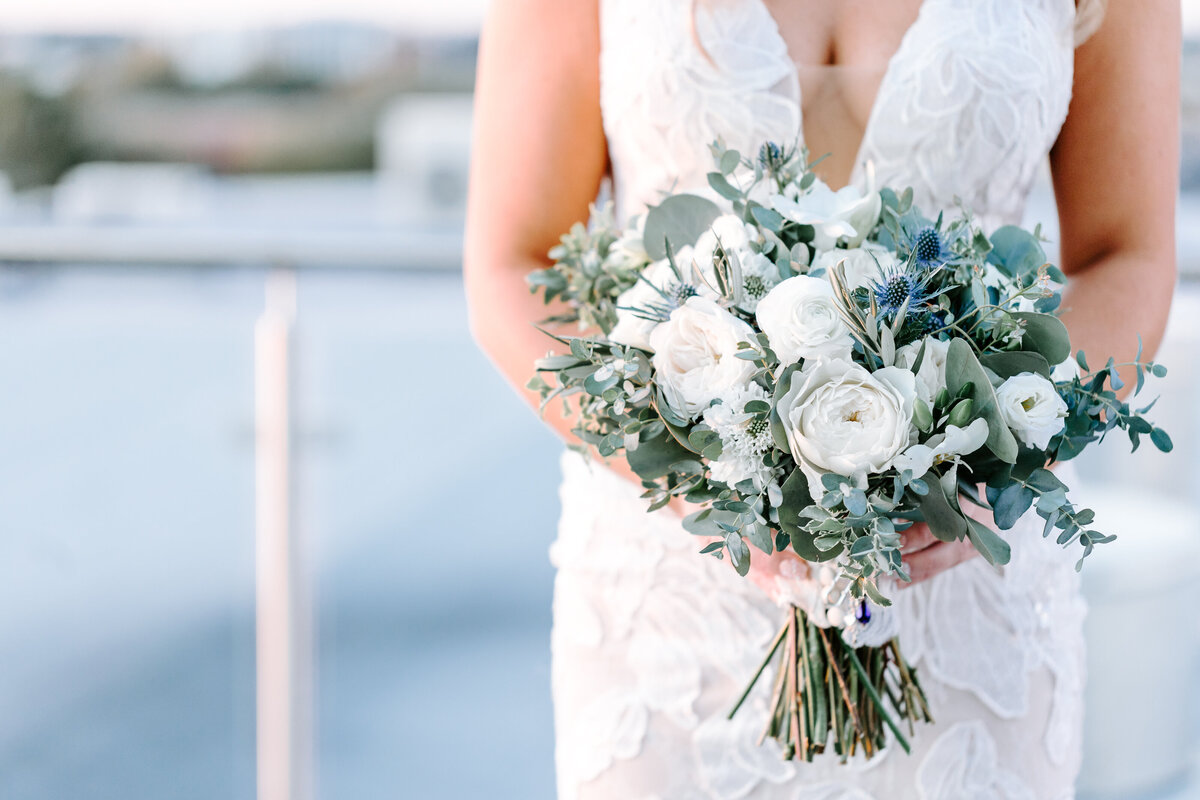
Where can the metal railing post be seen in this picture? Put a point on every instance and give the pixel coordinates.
(282, 615)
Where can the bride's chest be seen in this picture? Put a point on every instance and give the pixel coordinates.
(968, 104)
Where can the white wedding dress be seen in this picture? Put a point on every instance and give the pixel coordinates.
(652, 642)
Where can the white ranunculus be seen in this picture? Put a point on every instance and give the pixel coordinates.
(943, 447)
(845, 214)
(1032, 407)
(633, 328)
(695, 355)
(931, 377)
(801, 319)
(863, 266)
(840, 418)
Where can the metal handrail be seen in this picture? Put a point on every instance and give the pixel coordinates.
(437, 247)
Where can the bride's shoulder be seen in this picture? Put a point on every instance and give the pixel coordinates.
(561, 24)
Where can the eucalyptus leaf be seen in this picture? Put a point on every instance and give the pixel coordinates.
(945, 522)
(1045, 334)
(1013, 502)
(680, 220)
(990, 545)
(1016, 251)
(655, 455)
(962, 367)
(1014, 362)
(797, 498)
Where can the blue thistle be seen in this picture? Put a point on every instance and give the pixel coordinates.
(900, 286)
(771, 157)
(929, 248)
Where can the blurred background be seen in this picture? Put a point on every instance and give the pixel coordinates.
(212, 211)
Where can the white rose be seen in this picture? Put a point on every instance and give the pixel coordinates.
(845, 214)
(863, 266)
(801, 319)
(695, 355)
(947, 446)
(1033, 408)
(931, 377)
(633, 328)
(840, 418)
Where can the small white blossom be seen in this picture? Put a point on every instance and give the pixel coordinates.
(846, 214)
(759, 275)
(744, 438)
(948, 446)
(1033, 408)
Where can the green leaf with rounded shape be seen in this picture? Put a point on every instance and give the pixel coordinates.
(962, 413)
(1014, 362)
(1159, 370)
(729, 161)
(945, 521)
(723, 187)
(760, 537)
(1045, 334)
(990, 545)
(1161, 440)
(1013, 501)
(862, 545)
(922, 415)
(796, 498)
(654, 456)
(1045, 481)
(1016, 251)
(769, 218)
(962, 367)
(679, 220)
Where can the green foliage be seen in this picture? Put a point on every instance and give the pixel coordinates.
(677, 221)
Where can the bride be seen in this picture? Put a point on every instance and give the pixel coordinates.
(960, 99)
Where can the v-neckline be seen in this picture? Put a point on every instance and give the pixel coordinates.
(860, 153)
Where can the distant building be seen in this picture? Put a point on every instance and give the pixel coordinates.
(422, 153)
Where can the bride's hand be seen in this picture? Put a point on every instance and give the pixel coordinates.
(926, 556)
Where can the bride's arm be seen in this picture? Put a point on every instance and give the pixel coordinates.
(538, 157)
(1116, 173)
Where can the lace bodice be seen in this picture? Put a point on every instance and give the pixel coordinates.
(967, 109)
(652, 640)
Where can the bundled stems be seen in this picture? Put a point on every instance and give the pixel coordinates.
(825, 686)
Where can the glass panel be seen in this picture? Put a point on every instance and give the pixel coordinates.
(430, 492)
(126, 537)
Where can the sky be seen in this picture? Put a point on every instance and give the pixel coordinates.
(87, 16)
(198, 15)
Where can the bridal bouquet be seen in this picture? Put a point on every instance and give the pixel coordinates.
(817, 370)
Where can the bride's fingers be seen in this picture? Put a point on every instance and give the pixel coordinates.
(937, 558)
(916, 538)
